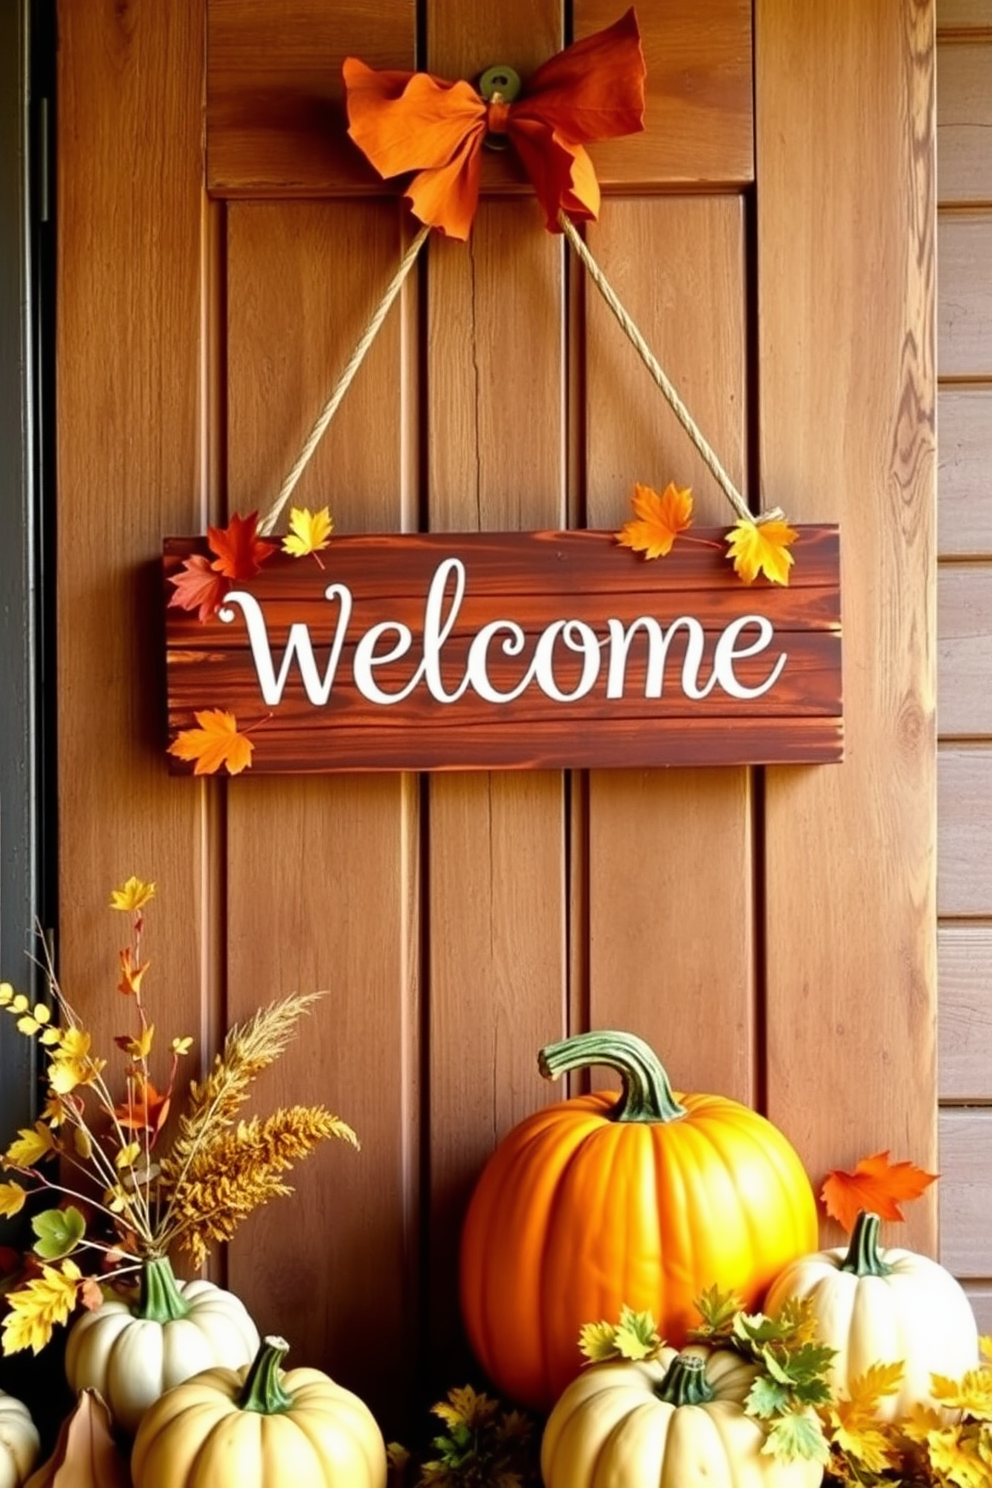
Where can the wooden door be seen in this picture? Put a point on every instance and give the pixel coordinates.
(769, 932)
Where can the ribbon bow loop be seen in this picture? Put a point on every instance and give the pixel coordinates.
(412, 121)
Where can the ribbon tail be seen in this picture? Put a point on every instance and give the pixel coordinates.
(560, 172)
(447, 196)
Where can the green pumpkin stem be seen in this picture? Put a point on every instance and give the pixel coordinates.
(262, 1390)
(647, 1094)
(863, 1255)
(685, 1382)
(160, 1300)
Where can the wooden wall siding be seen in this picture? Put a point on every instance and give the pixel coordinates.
(964, 88)
(964, 322)
(964, 54)
(848, 892)
(743, 922)
(964, 511)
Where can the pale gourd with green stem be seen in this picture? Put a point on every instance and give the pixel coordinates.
(876, 1306)
(259, 1427)
(677, 1420)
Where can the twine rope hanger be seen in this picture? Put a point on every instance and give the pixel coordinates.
(705, 450)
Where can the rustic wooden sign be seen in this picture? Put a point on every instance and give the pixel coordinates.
(523, 650)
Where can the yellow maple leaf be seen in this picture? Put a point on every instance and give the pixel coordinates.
(309, 532)
(214, 742)
(761, 547)
(132, 895)
(466, 1407)
(877, 1381)
(954, 1454)
(972, 1393)
(12, 1197)
(31, 1145)
(659, 520)
(36, 1308)
(920, 1422)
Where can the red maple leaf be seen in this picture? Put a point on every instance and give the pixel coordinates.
(876, 1185)
(198, 587)
(240, 551)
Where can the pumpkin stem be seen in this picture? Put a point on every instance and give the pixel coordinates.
(685, 1382)
(262, 1390)
(160, 1300)
(647, 1094)
(863, 1256)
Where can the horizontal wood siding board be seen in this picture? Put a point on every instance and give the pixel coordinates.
(964, 821)
(964, 649)
(276, 123)
(963, 1191)
(980, 1298)
(964, 122)
(964, 295)
(965, 17)
(964, 479)
(964, 1023)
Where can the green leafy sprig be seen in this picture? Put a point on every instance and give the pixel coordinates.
(484, 1445)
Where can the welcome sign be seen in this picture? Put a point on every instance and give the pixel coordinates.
(533, 650)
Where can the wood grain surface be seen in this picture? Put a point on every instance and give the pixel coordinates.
(849, 867)
(771, 933)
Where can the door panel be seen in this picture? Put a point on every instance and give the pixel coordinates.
(732, 917)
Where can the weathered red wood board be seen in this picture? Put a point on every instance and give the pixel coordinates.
(524, 650)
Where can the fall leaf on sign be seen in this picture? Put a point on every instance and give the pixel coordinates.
(238, 555)
(309, 532)
(658, 521)
(240, 552)
(198, 587)
(761, 547)
(876, 1185)
(214, 742)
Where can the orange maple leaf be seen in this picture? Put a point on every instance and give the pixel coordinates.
(145, 1109)
(876, 1185)
(214, 742)
(198, 587)
(240, 552)
(131, 974)
(659, 521)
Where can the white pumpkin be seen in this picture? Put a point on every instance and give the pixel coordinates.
(678, 1421)
(880, 1307)
(19, 1442)
(132, 1355)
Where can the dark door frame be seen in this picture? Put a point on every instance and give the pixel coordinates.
(27, 838)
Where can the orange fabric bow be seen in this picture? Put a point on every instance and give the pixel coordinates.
(411, 121)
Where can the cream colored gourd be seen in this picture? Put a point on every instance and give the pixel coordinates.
(19, 1442)
(880, 1306)
(259, 1428)
(678, 1422)
(178, 1328)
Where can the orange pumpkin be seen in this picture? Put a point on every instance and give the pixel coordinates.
(604, 1200)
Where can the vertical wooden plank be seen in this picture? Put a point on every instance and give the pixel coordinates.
(964, 420)
(496, 909)
(964, 817)
(322, 873)
(845, 109)
(964, 961)
(128, 361)
(496, 842)
(964, 302)
(670, 875)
